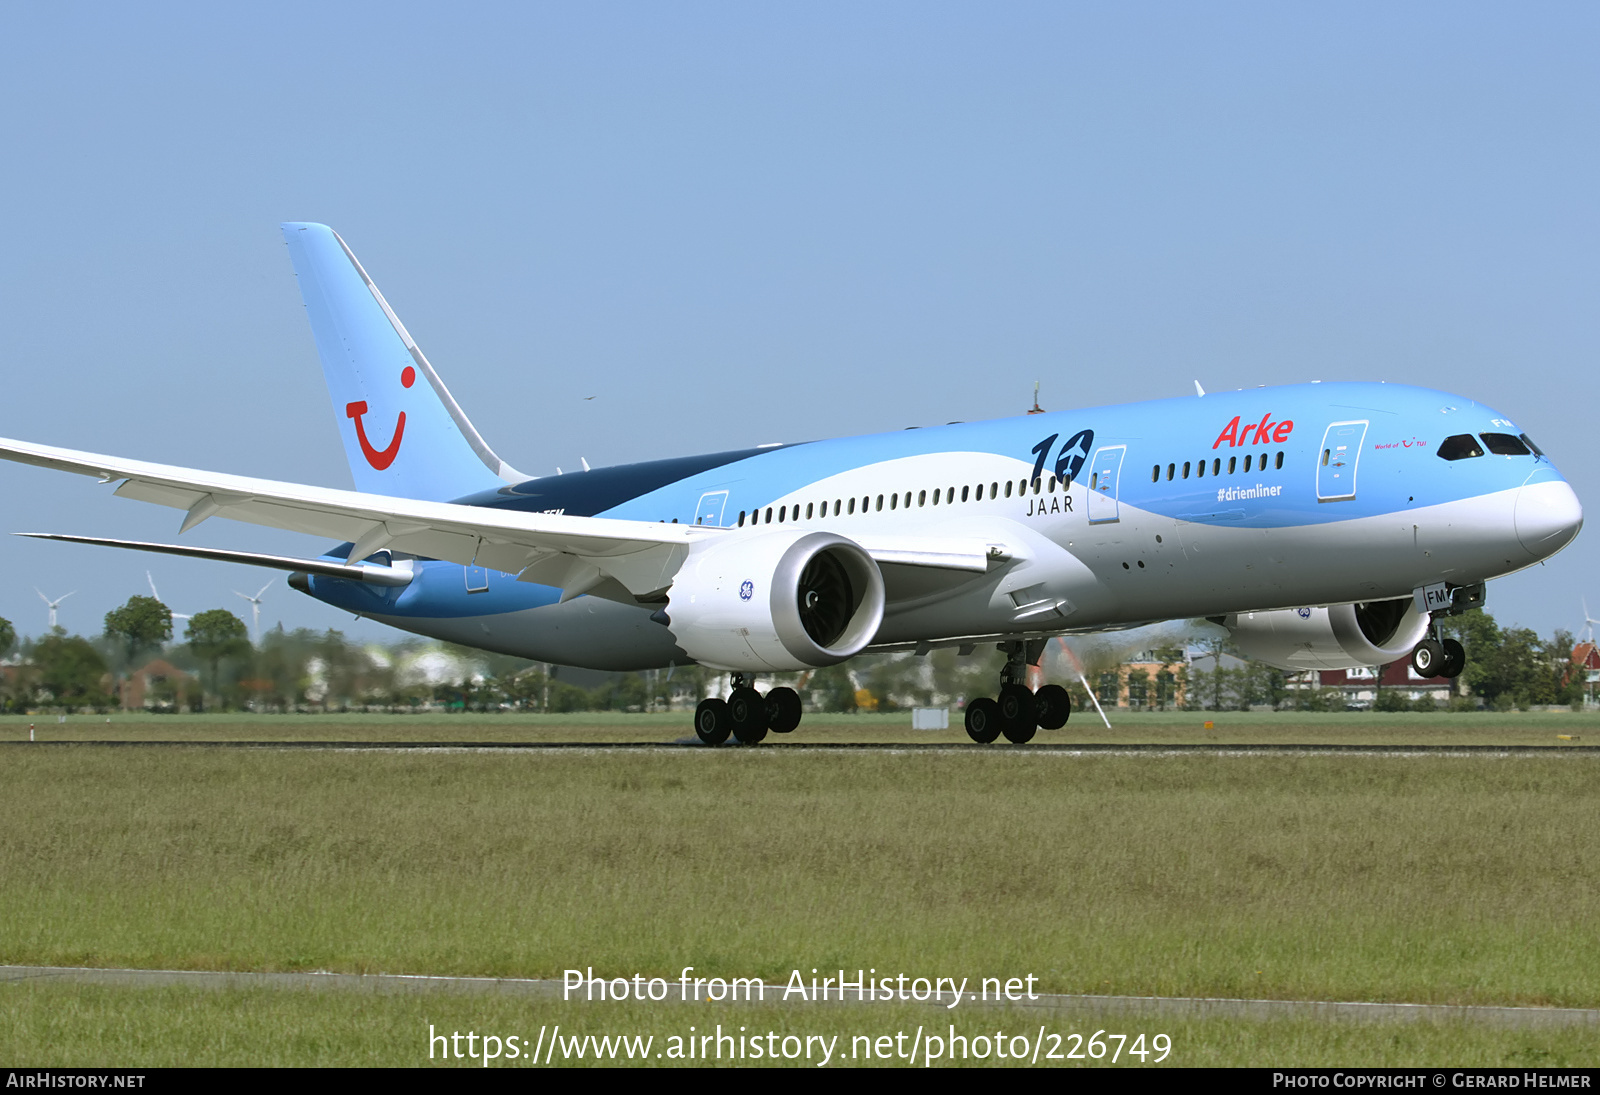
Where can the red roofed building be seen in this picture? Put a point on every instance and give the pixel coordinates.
(157, 683)
(1585, 660)
(1360, 686)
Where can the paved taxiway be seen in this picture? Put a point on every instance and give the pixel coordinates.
(856, 747)
(1185, 1007)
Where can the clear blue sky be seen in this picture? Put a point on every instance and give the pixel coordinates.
(739, 223)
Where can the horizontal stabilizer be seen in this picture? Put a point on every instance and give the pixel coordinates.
(360, 572)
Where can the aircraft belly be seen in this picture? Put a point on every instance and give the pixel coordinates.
(590, 632)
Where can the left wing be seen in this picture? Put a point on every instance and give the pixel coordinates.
(575, 554)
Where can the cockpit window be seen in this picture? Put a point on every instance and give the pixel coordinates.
(1503, 444)
(1528, 441)
(1459, 447)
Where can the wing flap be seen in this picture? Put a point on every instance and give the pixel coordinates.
(969, 554)
(374, 575)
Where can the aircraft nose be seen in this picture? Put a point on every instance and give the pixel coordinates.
(1548, 516)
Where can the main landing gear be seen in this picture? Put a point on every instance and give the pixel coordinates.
(746, 714)
(1019, 712)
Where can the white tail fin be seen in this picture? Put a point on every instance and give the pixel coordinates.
(401, 438)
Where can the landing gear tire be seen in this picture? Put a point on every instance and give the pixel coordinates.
(747, 715)
(1428, 658)
(1019, 717)
(711, 722)
(783, 710)
(1455, 659)
(983, 720)
(1054, 706)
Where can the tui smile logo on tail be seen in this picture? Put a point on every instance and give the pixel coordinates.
(381, 458)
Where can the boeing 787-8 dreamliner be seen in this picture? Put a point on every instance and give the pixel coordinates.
(1325, 525)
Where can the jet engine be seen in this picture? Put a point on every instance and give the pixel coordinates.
(1340, 637)
(779, 600)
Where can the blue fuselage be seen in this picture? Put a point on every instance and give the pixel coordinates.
(1240, 501)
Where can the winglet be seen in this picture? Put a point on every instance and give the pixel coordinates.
(1198, 390)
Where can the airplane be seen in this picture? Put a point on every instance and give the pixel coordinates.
(1325, 525)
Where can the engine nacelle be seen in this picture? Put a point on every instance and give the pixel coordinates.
(1340, 637)
(779, 600)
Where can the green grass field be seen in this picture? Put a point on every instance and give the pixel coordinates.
(1466, 880)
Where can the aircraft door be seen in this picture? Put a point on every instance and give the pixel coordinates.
(1104, 472)
(1337, 461)
(712, 504)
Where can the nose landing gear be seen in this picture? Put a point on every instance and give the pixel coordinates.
(1435, 657)
(1019, 712)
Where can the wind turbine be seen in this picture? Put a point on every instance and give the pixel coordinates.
(157, 595)
(1588, 620)
(53, 604)
(255, 609)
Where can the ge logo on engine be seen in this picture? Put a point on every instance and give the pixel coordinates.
(747, 591)
(1305, 613)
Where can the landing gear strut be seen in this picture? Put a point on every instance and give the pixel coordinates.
(1019, 712)
(1436, 656)
(746, 715)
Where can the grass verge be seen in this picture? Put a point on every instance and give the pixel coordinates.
(1464, 880)
(129, 1028)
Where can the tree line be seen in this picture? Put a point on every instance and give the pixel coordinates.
(214, 666)
(1507, 669)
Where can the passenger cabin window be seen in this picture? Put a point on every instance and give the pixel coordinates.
(1503, 444)
(1460, 446)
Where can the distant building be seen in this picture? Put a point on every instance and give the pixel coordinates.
(1585, 660)
(1360, 686)
(1144, 681)
(156, 683)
